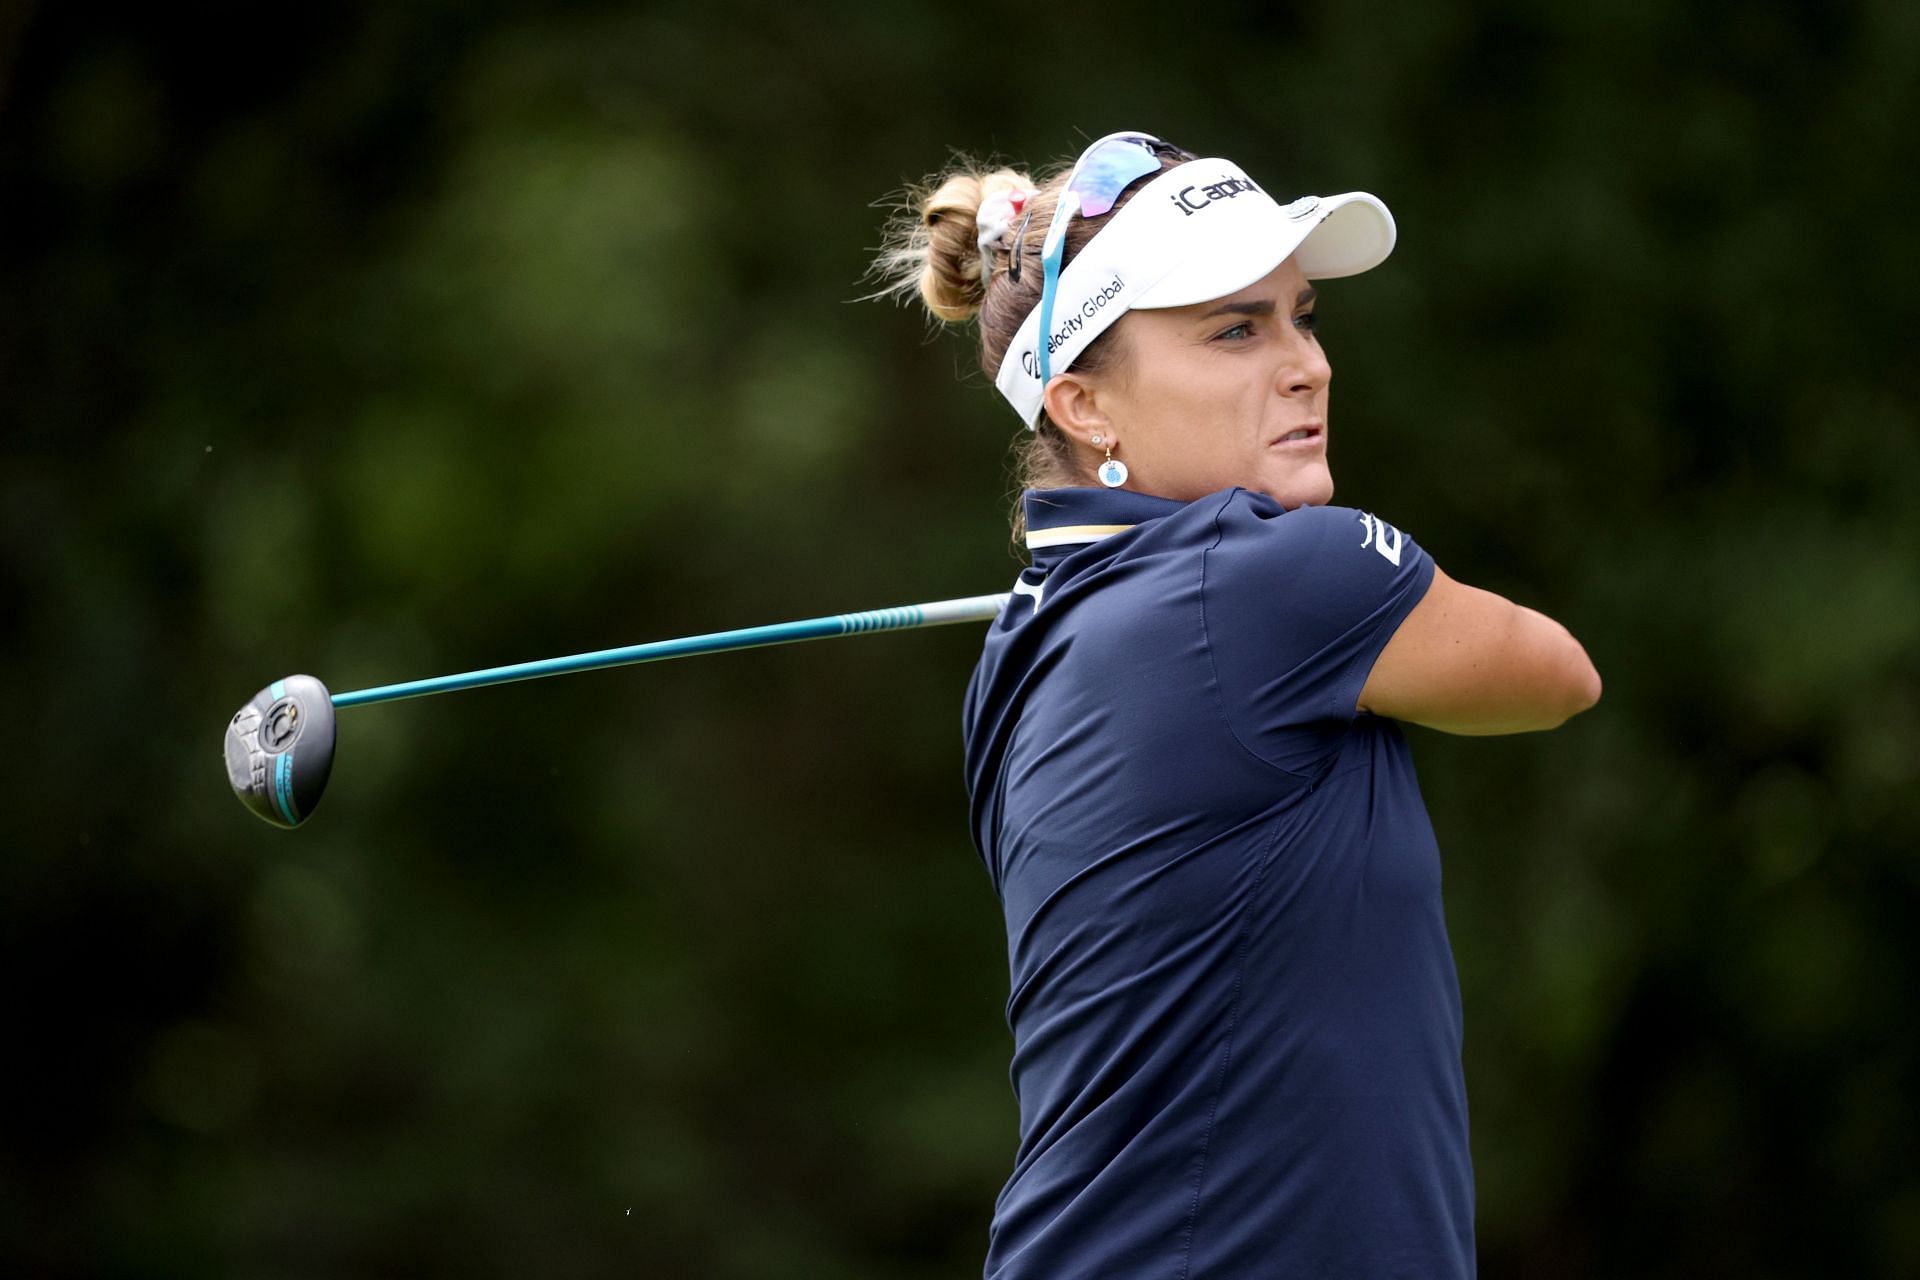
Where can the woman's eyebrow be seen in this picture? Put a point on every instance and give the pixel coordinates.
(1263, 307)
(1260, 307)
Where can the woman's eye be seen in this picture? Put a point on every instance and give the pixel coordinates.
(1307, 321)
(1242, 330)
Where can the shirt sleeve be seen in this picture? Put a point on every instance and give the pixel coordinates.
(1298, 605)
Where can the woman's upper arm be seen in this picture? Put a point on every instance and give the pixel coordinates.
(1469, 661)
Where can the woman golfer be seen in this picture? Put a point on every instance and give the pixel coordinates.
(1235, 1017)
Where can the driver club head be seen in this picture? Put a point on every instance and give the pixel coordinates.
(279, 750)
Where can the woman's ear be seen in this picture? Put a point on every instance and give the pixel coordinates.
(1073, 404)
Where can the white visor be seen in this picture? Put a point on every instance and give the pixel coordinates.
(1199, 231)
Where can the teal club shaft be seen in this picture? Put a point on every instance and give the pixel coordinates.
(937, 613)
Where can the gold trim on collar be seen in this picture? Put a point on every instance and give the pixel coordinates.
(1068, 535)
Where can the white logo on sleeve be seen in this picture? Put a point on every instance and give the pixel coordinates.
(1382, 537)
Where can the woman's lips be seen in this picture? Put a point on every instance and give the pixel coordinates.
(1310, 436)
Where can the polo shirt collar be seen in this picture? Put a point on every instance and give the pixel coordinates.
(1062, 521)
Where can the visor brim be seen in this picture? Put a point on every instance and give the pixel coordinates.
(1338, 236)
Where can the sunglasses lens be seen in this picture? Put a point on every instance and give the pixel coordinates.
(1103, 172)
(1107, 170)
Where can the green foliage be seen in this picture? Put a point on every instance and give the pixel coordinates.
(450, 335)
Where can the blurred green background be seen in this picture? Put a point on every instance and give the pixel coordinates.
(382, 341)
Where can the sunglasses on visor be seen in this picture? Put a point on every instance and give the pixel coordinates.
(1102, 172)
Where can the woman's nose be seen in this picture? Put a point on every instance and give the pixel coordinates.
(1306, 370)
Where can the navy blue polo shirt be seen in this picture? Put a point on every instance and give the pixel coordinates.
(1235, 1018)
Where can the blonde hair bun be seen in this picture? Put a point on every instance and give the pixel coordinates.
(933, 245)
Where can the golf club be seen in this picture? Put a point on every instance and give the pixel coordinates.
(279, 746)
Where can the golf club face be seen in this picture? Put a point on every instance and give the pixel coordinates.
(279, 749)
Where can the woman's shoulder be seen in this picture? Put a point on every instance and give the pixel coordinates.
(1250, 521)
(1266, 556)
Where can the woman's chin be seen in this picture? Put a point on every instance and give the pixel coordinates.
(1308, 486)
